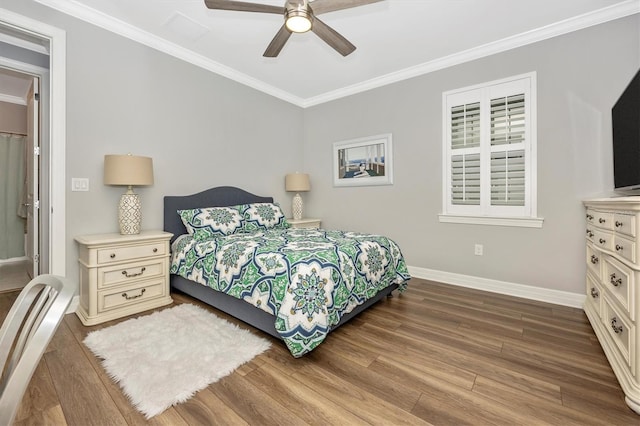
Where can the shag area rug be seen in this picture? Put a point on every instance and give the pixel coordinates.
(164, 358)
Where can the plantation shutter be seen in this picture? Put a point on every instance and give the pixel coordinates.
(465, 158)
(507, 170)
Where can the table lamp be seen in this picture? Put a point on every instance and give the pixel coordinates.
(297, 182)
(128, 170)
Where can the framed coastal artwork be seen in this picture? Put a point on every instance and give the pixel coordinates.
(364, 161)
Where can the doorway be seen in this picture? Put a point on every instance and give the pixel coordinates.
(19, 178)
(21, 29)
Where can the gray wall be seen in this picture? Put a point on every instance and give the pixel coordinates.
(124, 97)
(580, 75)
(201, 130)
(13, 118)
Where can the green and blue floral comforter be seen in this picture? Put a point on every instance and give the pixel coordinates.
(306, 278)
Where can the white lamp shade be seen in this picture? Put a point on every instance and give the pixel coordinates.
(297, 182)
(130, 170)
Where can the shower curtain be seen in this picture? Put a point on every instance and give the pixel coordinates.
(12, 184)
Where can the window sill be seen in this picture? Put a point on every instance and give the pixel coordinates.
(521, 222)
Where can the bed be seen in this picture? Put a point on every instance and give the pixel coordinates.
(294, 284)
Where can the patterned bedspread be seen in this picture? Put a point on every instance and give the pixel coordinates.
(307, 278)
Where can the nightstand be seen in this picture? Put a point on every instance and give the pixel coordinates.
(122, 275)
(304, 223)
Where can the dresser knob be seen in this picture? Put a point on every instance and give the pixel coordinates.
(614, 281)
(618, 224)
(616, 329)
(589, 233)
(602, 240)
(590, 217)
(619, 247)
(594, 259)
(594, 292)
(155, 249)
(113, 255)
(601, 220)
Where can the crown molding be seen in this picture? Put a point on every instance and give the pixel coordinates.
(109, 23)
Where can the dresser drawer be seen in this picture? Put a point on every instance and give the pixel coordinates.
(622, 332)
(603, 239)
(594, 294)
(619, 280)
(625, 248)
(593, 261)
(108, 276)
(129, 295)
(124, 253)
(603, 219)
(625, 224)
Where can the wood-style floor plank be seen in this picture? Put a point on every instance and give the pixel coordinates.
(437, 354)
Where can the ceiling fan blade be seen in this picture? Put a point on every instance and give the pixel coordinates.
(324, 6)
(277, 43)
(243, 6)
(332, 37)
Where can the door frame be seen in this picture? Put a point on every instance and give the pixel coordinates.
(53, 219)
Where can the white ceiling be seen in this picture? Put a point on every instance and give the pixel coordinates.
(395, 39)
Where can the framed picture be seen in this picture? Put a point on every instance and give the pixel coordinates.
(363, 161)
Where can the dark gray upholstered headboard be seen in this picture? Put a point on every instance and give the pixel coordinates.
(215, 197)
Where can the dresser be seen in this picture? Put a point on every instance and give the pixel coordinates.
(122, 274)
(613, 286)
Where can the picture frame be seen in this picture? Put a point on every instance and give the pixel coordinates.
(364, 161)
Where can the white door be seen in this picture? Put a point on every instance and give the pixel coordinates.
(32, 172)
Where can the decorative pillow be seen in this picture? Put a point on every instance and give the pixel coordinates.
(261, 216)
(208, 222)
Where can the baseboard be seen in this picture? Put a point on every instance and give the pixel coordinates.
(75, 302)
(540, 294)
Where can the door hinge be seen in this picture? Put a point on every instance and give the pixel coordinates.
(36, 96)
(36, 150)
(36, 258)
(36, 204)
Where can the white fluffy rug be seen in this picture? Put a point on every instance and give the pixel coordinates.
(164, 358)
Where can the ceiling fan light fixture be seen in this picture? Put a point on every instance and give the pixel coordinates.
(298, 21)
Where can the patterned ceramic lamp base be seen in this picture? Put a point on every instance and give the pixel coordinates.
(129, 214)
(296, 207)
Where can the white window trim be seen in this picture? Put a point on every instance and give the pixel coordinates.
(462, 214)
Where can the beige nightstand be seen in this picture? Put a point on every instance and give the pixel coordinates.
(304, 223)
(122, 275)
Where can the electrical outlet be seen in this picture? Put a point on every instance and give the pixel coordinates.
(79, 184)
(478, 249)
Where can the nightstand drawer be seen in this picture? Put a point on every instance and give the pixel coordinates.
(116, 298)
(124, 253)
(108, 276)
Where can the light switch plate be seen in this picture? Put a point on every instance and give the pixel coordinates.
(79, 184)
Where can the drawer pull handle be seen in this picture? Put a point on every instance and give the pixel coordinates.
(594, 259)
(619, 224)
(126, 296)
(155, 249)
(614, 281)
(601, 220)
(616, 329)
(590, 217)
(589, 233)
(137, 274)
(602, 240)
(113, 255)
(619, 247)
(594, 292)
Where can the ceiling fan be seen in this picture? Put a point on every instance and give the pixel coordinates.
(300, 16)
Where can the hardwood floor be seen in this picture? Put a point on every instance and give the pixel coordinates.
(436, 354)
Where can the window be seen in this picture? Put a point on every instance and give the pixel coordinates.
(489, 153)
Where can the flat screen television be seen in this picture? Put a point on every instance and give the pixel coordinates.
(625, 121)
